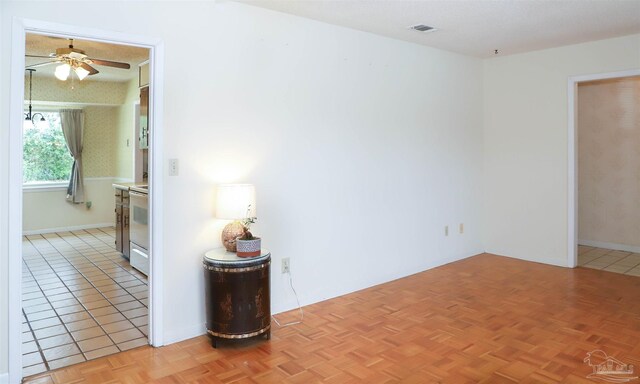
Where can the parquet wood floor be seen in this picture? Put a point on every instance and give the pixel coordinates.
(486, 319)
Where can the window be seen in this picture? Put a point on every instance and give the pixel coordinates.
(45, 155)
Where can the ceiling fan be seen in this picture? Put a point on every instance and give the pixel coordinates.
(76, 59)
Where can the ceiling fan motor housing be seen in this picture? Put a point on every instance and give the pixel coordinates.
(71, 52)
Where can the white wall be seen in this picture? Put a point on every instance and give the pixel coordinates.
(48, 211)
(4, 200)
(361, 147)
(525, 140)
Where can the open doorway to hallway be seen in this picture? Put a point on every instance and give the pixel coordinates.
(83, 294)
(608, 129)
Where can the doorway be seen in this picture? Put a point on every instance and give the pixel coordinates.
(95, 241)
(608, 138)
(596, 238)
(82, 296)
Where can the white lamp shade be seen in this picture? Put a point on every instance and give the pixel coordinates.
(233, 200)
(62, 71)
(81, 72)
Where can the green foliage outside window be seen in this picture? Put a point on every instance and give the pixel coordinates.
(46, 157)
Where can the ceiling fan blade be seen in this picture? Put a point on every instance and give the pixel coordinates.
(40, 56)
(41, 64)
(108, 63)
(92, 71)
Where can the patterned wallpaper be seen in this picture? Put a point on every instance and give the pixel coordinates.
(99, 152)
(609, 161)
(93, 91)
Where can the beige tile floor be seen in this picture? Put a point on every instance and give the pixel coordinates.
(80, 300)
(627, 263)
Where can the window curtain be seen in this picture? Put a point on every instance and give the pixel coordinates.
(73, 127)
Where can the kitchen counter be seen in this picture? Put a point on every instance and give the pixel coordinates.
(140, 188)
(126, 186)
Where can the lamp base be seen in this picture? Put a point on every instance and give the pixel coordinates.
(230, 233)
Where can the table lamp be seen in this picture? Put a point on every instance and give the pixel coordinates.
(234, 202)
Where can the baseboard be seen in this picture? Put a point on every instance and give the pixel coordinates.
(4, 378)
(66, 229)
(323, 293)
(556, 262)
(614, 246)
(451, 259)
(185, 333)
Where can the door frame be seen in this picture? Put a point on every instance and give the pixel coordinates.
(137, 155)
(572, 190)
(20, 28)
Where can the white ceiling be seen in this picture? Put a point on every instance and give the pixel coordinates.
(476, 27)
(44, 45)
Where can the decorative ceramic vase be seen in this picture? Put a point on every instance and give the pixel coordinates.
(230, 233)
(248, 248)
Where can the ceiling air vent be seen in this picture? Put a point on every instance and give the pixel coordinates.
(422, 28)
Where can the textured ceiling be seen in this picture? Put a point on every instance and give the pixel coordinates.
(476, 27)
(44, 45)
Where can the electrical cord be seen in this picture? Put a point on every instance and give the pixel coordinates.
(299, 307)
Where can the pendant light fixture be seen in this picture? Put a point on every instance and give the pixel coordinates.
(29, 116)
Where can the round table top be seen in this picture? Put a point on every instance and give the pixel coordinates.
(221, 255)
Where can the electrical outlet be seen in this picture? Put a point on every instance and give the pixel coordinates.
(173, 167)
(461, 228)
(446, 230)
(285, 266)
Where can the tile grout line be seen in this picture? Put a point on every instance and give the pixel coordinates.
(96, 287)
(89, 313)
(42, 242)
(102, 270)
(120, 284)
(135, 274)
(54, 309)
(35, 339)
(614, 263)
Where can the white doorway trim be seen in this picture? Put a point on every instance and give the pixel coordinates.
(137, 152)
(20, 28)
(572, 190)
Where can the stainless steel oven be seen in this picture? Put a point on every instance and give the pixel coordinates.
(139, 228)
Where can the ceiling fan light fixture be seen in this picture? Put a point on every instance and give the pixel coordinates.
(81, 72)
(62, 71)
